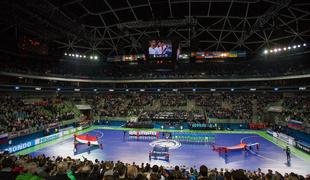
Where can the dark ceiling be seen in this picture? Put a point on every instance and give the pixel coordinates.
(121, 26)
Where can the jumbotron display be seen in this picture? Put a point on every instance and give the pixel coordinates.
(160, 48)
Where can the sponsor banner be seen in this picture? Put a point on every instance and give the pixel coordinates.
(283, 137)
(19, 147)
(304, 147)
(270, 132)
(48, 138)
(257, 126)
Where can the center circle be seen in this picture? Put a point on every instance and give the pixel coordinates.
(171, 144)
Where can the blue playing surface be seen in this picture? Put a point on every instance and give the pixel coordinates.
(117, 147)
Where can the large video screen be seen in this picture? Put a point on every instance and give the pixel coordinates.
(160, 48)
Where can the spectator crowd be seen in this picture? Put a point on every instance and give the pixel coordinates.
(66, 168)
(17, 114)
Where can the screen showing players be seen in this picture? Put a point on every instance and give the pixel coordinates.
(160, 48)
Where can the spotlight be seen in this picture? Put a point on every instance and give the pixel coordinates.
(294, 47)
(91, 57)
(271, 51)
(66, 54)
(58, 89)
(304, 44)
(37, 89)
(266, 51)
(232, 89)
(158, 90)
(95, 90)
(275, 50)
(284, 49)
(77, 55)
(298, 45)
(80, 56)
(276, 89)
(289, 48)
(84, 56)
(69, 54)
(194, 90)
(279, 49)
(96, 57)
(17, 88)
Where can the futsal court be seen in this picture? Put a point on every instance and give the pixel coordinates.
(186, 149)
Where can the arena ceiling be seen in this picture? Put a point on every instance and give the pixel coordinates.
(118, 26)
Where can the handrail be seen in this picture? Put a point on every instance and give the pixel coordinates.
(54, 78)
